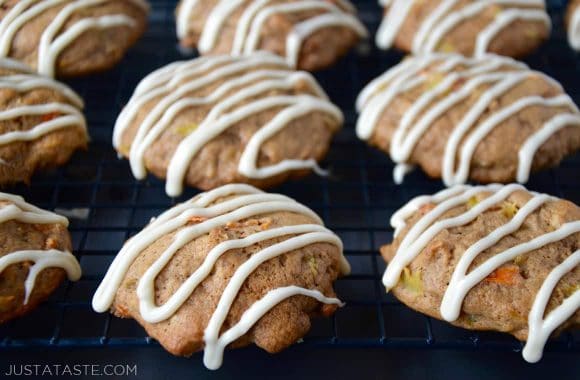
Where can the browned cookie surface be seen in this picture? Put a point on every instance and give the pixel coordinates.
(313, 265)
(275, 23)
(503, 300)
(493, 106)
(464, 25)
(43, 126)
(167, 116)
(572, 20)
(573, 5)
(71, 38)
(15, 236)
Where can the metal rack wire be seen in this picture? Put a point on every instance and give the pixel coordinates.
(356, 202)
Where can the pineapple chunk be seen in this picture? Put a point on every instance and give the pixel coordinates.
(412, 281)
(187, 129)
(472, 202)
(509, 209)
(313, 263)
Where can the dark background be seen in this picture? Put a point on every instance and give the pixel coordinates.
(372, 337)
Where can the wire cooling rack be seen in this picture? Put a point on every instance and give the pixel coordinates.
(356, 202)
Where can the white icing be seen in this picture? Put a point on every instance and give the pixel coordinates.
(42, 260)
(255, 13)
(574, 30)
(426, 229)
(461, 282)
(81, 213)
(504, 19)
(427, 27)
(540, 329)
(184, 14)
(531, 146)
(231, 102)
(70, 116)
(213, 357)
(303, 30)
(398, 11)
(54, 39)
(447, 15)
(27, 82)
(430, 224)
(214, 23)
(24, 212)
(14, 208)
(434, 103)
(401, 171)
(249, 202)
(11, 64)
(399, 218)
(62, 115)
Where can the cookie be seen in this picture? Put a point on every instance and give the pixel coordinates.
(34, 256)
(221, 119)
(573, 24)
(41, 123)
(471, 28)
(489, 258)
(229, 267)
(70, 37)
(489, 119)
(311, 34)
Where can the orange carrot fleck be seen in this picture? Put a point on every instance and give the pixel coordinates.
(49, 116)
(426, 208)
(504, 276)
(328, 310)
(51, 243)
(266, 224)
(196, 219)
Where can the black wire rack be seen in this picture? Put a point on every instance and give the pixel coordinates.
(356, 202)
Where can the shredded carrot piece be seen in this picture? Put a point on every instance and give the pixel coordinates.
(51, 243)
(266, 224)
(328, 310)
(49, 116)
(196, 219)
(426, 208)
(504, 275)
(233, 225)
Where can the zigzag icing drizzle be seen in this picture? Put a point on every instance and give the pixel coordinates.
(62, 114)
(436, 101)
(53, 39)
(574, 29)
(249, 202)
(18, 210)
(419, 236)
(244, 79)
(256, 13)
(445, 17)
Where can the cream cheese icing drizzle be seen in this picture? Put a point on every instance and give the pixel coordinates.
(61, 115)
(461, 281)
(574, 29)
(500, 74)
(253, 17)
(249, 202)
(447, 15)
(54, 39)
(16, 209)
(243, 80)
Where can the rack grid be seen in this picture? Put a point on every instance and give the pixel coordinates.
(356, 201)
